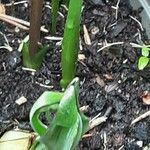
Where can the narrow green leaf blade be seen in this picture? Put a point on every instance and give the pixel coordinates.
(55, 8)
(36, 61)
(26, 56)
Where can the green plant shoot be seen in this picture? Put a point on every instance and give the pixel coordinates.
(36, 61)
(68, 124)
(54, 12)
(31, 51)
(70, 44)
(143, 60)
(55, 8)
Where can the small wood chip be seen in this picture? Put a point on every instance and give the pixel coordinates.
(2, 9)
(146, 97)
(81, 57)
(86, 36)
(21, 100)
(84, 108)
(99, 81)
(43, 85)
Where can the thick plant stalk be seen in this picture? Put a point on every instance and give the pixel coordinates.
(35, 24)
(70, 45)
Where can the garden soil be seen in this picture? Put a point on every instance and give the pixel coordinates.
(109, 78)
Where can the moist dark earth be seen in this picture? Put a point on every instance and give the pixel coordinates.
(109, 78)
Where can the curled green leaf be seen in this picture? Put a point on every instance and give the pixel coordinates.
(68, 124)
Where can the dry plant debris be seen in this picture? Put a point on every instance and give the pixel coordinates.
(141, 117)
(146, 97)
(2, 9)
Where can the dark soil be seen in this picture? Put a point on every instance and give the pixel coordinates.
(120, 84)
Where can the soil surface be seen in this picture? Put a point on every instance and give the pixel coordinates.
(109, 78)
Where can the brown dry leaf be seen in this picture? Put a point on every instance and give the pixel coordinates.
(146, 98)
(2, 9)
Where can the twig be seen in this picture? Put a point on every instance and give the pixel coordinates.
(28, 69)
(105, 140)
(47, 6)
(65, 7)
(6, 47)
(53, 38)
(16, 3)
(5, 38)
(26, 23)
(141, 117)
(121, 147)
(87, 39)
(97, 121)
(43, 85)
(106, 45)
(13, 23)
(137, 22)
(138, 46)
(110, 44)
(117, 7)
(87, 135)
(19, 21)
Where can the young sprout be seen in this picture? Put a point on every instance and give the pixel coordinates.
(143, 60)
(68, 124)
(32, 52)
(70, 44)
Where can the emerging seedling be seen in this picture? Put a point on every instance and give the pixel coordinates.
(32, 52)
(36, 61)
(68, 124)
(143, 60)
(70, 44)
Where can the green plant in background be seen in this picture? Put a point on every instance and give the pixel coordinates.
(68, 124)
(55, 8)
(70, 44)
(143, 60)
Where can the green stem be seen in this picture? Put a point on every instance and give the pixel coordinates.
(55, 8)
(70, 45)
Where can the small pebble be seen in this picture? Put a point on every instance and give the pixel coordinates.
(47, 82)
